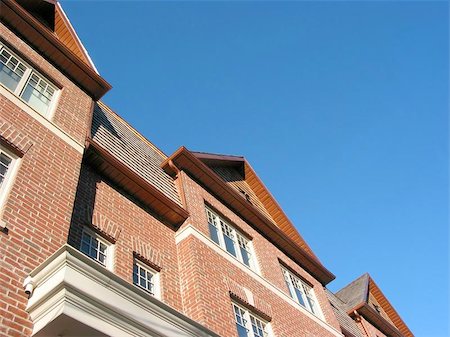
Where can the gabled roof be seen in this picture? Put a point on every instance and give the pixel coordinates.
(51, 14)
(44, 26)
(365, 297)
(237, 173)
(347, 324)
(67, 34)
(283, 234)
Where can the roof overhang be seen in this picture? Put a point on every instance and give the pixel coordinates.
(42, 39)
(72, 295)
(372, 316)
(183, 159)
(108, 165)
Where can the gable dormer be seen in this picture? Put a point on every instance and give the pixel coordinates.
(44, 26)
(363, 297)
(235, 183)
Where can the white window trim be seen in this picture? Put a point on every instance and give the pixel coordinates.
(288, 279)
(253, 263)
(109, 264)
(10, 177)
(23, 82)
(155, 278)
(247, 316)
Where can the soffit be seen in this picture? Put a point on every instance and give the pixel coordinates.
(189, 162)
(46, 42)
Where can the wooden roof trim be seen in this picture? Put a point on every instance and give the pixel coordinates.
(388, 308)
(44, 40)
(167, 204)
(372, 316)
(74, 35)
(231, 197)
(274, 209)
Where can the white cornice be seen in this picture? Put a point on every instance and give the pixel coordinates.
(70, 284)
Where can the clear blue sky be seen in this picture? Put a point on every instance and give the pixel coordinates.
(341, 108)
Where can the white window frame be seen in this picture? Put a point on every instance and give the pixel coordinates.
(155, 278)
(237, 237)
(247, 319)
(8, 181)
(21, 86)
(109, 252)
(304, 290)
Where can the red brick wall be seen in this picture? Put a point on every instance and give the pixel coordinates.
(73, 107)
(203, 271)
(96, 198)
(39, 208)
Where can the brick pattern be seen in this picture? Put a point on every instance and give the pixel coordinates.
(140, 231)
(15, 139)
(105, 226)
(39, 206)
(245, 296)
(146, 252)
(72, 113)
(55, 194)
(267, 255)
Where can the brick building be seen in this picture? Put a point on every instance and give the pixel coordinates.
(105, 235)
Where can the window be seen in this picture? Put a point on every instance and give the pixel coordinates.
(230, 239)
(248, 325)
(25, 82)
(8, 166)
(96, 247)
(301, 292)
(146, 278)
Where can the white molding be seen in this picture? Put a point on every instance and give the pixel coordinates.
(43, 120)
(190, 230)
(70, 284)
(9, 179)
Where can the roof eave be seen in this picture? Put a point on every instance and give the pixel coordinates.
(107, 164)
(185, 160)
(39, 36)
(372, 316)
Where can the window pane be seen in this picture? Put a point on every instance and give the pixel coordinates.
(245, 257)
(5, 161)
(229, 244)
(214, 233)
(312, 304)
(36, 99)
(242, 332)
(38, 93)
(11, 70)
(85, 248)
(300, 297)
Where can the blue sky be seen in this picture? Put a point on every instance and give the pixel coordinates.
(340, 107)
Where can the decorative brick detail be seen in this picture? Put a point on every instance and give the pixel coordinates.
(147, 253)
(17, 141)
(102, 224)
(236, 290)
(245, 296)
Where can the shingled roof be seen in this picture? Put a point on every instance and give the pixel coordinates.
(355, 293)
(122, 141)
(364, 296)
(347, 324)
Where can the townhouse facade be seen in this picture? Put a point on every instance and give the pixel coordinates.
(102, 234)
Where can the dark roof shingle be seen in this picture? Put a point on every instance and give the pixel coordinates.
(345, 321)
(117, 137)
